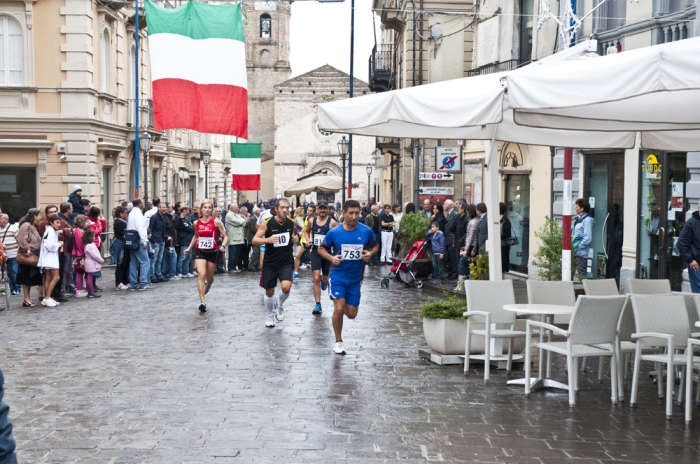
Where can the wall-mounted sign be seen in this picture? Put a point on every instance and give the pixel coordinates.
(8, 183)
(436, 190)
(651, 167)
(487, 36)
(448, 159)
(436, 176)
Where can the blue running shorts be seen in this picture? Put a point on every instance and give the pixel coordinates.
(348, 290)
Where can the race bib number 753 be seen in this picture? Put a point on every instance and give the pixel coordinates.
(351, 252)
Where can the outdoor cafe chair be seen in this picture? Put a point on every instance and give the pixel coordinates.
(599, 287)
(661, 321)
(649, 286)
(593, 322)
(485, 300)
(693, 344)
(556, 293)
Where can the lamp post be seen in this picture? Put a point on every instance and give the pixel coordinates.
(369, 175)
(343, 151)
(206, 157)
(145, 146)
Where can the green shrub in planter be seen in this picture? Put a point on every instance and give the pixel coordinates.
(412, 228)
(449, 308)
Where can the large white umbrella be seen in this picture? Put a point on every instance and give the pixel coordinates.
(320, 184)
(653, 90)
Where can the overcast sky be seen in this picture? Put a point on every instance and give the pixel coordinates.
(320, 34)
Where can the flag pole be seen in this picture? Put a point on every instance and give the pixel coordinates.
(352, 93)
(136, 102)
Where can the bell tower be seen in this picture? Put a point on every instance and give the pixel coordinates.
(267, 60)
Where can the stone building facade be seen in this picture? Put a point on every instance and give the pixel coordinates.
(300, 147)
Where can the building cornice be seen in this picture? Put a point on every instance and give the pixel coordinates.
(38, 144)
(647, 25)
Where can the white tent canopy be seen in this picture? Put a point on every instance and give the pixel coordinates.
(320, 184)
(655, 90)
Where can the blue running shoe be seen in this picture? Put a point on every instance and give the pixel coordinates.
(317, 309)
(323, 285)
(295, 275)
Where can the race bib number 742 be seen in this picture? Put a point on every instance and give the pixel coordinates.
(206, 243)
(351, 252)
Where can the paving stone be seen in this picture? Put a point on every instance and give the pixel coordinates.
(143, 377)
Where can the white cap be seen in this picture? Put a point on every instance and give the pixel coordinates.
(76, 188)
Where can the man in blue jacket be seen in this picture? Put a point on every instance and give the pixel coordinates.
(437, 242)
(158, 235)
(7, 443)
(689, 247)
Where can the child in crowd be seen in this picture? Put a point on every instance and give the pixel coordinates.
(93, 262)
(437, 241)
(80, 224)
(48, 259)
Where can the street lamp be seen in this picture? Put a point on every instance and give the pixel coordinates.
(206, 157)
(145, 146)
(369, 175)
(343, 151)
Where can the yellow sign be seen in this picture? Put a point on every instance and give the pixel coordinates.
(651, 167)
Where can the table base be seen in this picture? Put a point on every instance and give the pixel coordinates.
(538, 384)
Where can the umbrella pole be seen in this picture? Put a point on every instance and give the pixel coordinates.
(492, 211)
(566, 219)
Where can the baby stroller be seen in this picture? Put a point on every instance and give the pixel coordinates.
(404, 270)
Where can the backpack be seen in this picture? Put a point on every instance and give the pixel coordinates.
(131, 239)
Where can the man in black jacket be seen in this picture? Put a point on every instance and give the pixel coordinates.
(185, 232)
(452, 216)
(74, 199)
(689, 247)
(482, 230)
(158, 236)
(7, 442)
(169, 268)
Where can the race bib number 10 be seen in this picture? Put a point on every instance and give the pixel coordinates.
(351, 252)
(319, 240)
(283, 239)
(206, 243)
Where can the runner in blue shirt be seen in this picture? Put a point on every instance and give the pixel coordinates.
(353, 244)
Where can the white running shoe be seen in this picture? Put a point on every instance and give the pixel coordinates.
(175, 278)
(189, 275)
(270, 322)
(180, 276)
(339, 347)
(49, 302)
(81, 294)
(279, 311)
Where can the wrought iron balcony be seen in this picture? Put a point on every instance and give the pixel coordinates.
(495, 68)
(381, 68)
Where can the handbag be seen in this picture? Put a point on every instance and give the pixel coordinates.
(512, 240)
(31, 259)
(132, 239)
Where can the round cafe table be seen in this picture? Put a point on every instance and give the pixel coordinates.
(546, 313)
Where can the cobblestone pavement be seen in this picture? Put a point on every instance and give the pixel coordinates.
(143, 377)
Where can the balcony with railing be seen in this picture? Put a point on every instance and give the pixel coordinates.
(495, 68)
(381, 68)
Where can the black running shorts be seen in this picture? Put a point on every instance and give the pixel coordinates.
(320, 264)
(270, 276)
(207, 255)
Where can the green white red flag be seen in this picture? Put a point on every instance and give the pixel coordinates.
(198, 68)
(246, 159)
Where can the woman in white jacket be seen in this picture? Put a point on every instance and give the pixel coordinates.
(48, 259)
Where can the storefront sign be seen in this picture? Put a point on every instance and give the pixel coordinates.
(434, 198)
(448, 159)
(8, 183)
(436, 190)
(651, 167)
(436, 176)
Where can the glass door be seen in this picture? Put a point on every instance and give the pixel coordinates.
(518, 211)
(662, 207)
(605, 184)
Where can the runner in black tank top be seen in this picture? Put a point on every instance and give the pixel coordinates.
(277, 234)
(315, 233)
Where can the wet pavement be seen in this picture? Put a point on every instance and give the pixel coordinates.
(143, 377)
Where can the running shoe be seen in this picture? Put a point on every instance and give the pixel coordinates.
(207, 288)
(295, 275)
(189, 275)
(93, 295)
(81, 294)
(279, 311)
(317, 309)
(175, 278)
(339, 347)
(180, 276)
(202, 307)
(49, 302)
(146, 288)
(323, 285)
(269, 322)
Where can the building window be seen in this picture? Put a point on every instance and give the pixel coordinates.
(105, 49)
(265, 25)
(10, 51)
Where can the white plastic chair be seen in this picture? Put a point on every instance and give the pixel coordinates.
(649, 287)
(600, 287)
(690, 360)
(593, 322)
(485, 299)
(557, 293)
(661, 321)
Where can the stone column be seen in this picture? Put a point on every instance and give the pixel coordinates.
(631, 219)
(692, 192)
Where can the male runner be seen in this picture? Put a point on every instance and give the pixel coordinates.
(277, 234)
(354, 244)
(315, 233)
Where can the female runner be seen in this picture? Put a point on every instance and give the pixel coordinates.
(207, 230)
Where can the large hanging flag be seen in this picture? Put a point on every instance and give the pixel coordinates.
(245, 165)
(198, 68)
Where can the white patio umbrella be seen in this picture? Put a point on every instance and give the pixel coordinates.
(653, 90)
(320, 184)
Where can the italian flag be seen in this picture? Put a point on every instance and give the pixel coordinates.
(198, 68)
(245, 165)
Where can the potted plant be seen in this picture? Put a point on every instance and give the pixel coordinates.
(548, 256)
(444, 327)
(412, 228)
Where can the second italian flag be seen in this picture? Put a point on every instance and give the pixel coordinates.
(198, 68)
(246, 162)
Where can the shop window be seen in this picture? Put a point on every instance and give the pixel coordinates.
(11, 58)
(518, 213)
(265, 25)
(17, 191)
